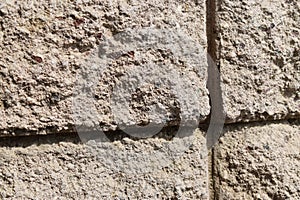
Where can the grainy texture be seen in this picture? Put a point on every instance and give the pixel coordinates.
(44, 43)
(258, 50)
(258, 161)
(73, 171)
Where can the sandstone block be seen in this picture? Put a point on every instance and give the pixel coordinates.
(258, 161)
(53, 169)
(258, 50)
(45, 44)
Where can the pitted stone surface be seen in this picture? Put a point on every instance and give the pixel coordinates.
(66, 170)
(259, 58)
(258, 161)
(43, 45)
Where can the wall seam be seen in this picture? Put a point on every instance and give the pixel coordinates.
(212, 85)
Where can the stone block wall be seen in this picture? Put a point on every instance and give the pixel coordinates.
(257, 50)
(254, 47)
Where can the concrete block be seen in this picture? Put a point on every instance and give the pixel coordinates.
(52, 169)
(44, 45)
(258, 50)
(258, 161)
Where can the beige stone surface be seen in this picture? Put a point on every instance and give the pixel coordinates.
(45, 43)
(258, 161)
(259, 58)
(53, 168)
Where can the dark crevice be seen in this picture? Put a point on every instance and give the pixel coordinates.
(211, 30)
(51, 135)
(213, 180)
(289, 118)
(17, 137)
(167, 133)
(217, 115)
(29, 140)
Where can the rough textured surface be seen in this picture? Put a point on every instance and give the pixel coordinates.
(259, 161)
(149, 76)
(43, 45)
(66, 170)
(259, 58)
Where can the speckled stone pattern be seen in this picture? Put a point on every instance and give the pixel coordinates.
(43, 44)
(258, 49)
(259, 161)
(50, 169)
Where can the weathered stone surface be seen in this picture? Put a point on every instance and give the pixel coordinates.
(64, 170)
(259, 161)
(43, 45)
(259, 58)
